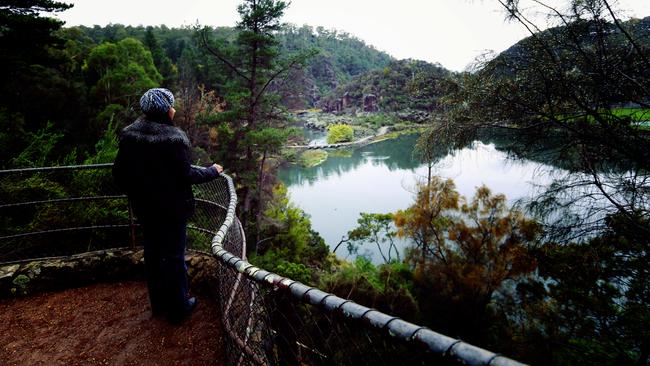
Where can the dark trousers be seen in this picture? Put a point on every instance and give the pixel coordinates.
(164, 257)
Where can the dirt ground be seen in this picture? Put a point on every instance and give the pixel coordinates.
(105, 324)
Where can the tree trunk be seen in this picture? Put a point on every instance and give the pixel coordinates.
(260, 193)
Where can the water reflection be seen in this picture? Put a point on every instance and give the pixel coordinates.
(381, 178)
(393, 154)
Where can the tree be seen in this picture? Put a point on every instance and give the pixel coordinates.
(267, 140)
(26, 41)
(254, 61)
(425, 222)
(163, 63)
(465, 253)
(26, 35)
(590, 301)
(121, 72)
(289, 241)
(376, 229)
(569, 83)
(583, 83)
(387, 287)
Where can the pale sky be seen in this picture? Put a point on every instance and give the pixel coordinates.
(450, 32)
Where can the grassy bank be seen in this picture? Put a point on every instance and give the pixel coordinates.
(311, 158)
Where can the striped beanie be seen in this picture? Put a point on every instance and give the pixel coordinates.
(156, 101)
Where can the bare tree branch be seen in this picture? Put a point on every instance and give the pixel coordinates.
(216, 54)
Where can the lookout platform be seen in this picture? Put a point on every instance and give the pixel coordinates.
(106, 324)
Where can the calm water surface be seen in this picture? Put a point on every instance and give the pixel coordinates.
(380, 178)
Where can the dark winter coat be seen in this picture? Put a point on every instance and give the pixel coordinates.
(153, 168)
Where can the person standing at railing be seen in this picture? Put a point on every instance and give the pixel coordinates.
(153, 168)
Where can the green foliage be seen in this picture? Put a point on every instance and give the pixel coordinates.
(36, 187)
(290, 247)
(341, 57)
(386, 288)
(223, 136)
(362, 268)
(288, 225)
(339, 133)
(634, 114)
(290, 155)
(341, 153)
(121, 72)
(39, 151)
(270, 140)
(33, 90)
(464, 253)
(376, 229)
(21, 283)
(274, 260)
(106, 148)
(22, 25)
(163, 63)
(79, 76)
(600, 287)
(377, 120)
(295, 271)
(401, 85)
(12, 136)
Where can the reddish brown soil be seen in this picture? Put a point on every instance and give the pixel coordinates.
(105, 324)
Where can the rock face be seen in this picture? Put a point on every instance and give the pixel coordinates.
(370, 103)
(414, 116)
(320, 121)
(346, 101)
(339, 105)
(27, 278)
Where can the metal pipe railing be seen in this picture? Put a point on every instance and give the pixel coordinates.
(421, 337)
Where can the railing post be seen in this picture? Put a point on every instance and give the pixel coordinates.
(131, 224)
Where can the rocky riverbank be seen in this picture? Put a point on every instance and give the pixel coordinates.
(368, 128)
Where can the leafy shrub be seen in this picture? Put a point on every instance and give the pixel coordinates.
(295, 271)
(339, 132)
(387, 288)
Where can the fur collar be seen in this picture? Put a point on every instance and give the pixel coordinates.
(143, 130)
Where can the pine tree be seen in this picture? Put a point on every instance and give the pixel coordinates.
(255, 62)
(26, 40)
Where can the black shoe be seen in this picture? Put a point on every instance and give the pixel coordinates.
(190, 305)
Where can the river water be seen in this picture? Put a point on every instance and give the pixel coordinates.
(381, 177)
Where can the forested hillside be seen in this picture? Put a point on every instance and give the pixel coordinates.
(340, 56)
(81, 78)
(401, 85)
(570, 42)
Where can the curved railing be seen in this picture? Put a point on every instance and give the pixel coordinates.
(269, 319)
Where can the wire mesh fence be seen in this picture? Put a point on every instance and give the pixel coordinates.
(268, 319)
(60, 211)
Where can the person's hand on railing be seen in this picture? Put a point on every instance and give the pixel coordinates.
(218, 167)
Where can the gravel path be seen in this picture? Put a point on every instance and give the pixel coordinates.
(105, 324)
